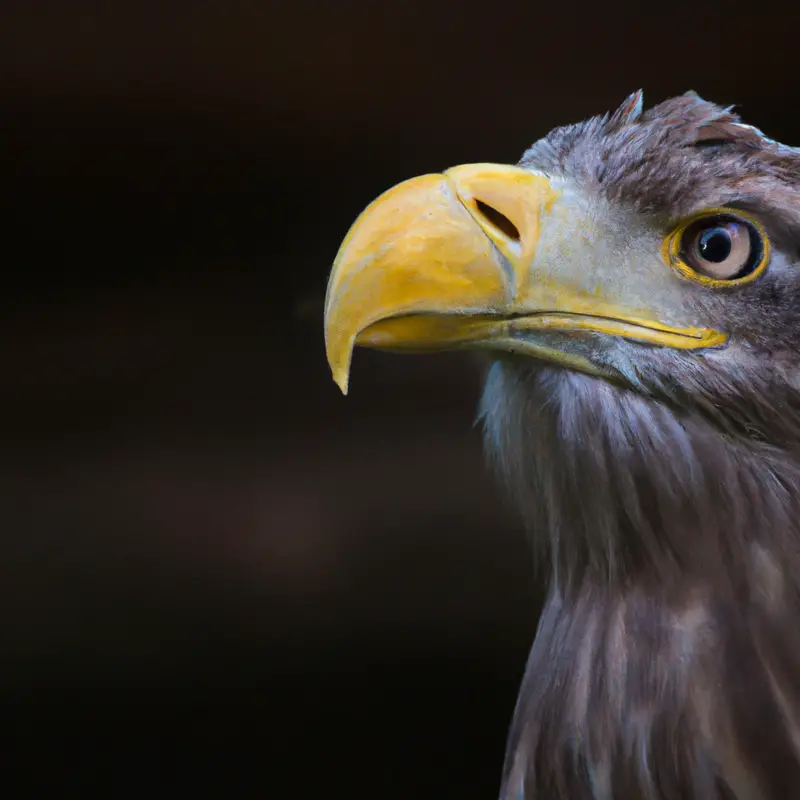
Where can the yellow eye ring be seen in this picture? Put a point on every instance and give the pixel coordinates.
(673, 248)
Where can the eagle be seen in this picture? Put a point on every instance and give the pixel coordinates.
(634, 285)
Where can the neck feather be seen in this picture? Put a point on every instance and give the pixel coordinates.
(616, 487)
(667, 657)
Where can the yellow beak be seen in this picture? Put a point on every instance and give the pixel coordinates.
(443, 261)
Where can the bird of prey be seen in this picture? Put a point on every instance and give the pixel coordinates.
(635, 283)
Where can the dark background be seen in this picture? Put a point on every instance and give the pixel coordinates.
(218, 575)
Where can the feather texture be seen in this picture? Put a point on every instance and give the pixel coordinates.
(667, 660)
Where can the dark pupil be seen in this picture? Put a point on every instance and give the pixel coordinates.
(715, 245)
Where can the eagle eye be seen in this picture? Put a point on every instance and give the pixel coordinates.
(719, 248)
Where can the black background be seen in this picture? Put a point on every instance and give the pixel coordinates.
(218, 575)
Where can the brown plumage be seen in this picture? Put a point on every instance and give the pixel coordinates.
(661, 485)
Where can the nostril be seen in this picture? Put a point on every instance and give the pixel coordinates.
(500, 221)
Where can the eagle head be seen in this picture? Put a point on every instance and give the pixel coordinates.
(635, 283)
